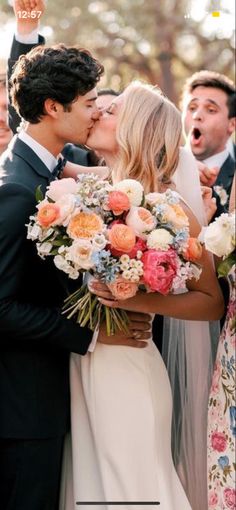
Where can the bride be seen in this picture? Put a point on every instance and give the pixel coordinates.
(121, 400)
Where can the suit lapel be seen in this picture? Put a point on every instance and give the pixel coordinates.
(225, 176)
(23, 150)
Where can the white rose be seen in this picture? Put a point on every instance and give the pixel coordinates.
(133, 189)
(62, 264)
(66, 205)
(140, 220)
(44, 249)
(99, 242)
(80, 253)
(154, 198)
(159, 239)
(61, 187)
(34, 232)
(218, 236)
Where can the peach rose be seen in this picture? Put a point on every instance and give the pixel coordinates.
(118, 202)
(193, 250)
(84, 225)
(122, 237)
(61, 187)
(47, 214)
(176, 215)
(140, 220)
(123, 289)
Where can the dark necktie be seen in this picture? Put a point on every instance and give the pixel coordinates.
(59, 168)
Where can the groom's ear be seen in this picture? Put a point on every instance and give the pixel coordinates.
(51, 108)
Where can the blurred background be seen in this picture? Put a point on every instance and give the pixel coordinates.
(161, 41)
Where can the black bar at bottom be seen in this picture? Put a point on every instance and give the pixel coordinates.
(118, 503)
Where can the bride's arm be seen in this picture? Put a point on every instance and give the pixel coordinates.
(204, 301)
(73, 170)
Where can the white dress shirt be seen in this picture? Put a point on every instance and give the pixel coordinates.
(48, 159)
(217, 159)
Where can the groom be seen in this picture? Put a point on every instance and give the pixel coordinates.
(54, 89)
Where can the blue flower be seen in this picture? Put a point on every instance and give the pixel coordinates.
(223, 461)
(232, 415)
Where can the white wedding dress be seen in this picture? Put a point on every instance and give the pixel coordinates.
(121, 407)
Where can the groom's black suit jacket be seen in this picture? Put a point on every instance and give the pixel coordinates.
(35, 339)
(226, 174)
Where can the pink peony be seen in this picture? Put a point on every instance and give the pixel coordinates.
(122, 289)
(218, 441)
(160, 269)
(118, 202)
(61, 187)
(230, 498)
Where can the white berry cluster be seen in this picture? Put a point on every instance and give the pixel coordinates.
(132, 269)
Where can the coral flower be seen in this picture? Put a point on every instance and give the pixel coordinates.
(47, 214)
(118, 202)
(122, 238)
(194, 250)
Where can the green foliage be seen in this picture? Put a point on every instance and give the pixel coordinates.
(152, 40)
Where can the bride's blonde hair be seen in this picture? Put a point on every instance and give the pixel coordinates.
(148, 134)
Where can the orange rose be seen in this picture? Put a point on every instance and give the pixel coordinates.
(123, 289)
(118, 202)
(84, 225)
(194, 250)
(122, 237)
(47, 214)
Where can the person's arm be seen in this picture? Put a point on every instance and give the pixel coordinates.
(209, 202)
(24, 40)
(204, 301)
(73, 170)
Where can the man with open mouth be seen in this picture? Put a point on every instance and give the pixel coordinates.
(208, 102)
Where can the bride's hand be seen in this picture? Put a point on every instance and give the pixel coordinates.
(100, 289)
(134, 304)
(140, 332)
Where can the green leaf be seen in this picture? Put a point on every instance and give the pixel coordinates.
(225, 265)
(39, 194)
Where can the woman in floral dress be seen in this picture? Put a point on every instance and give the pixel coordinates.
(222, 414)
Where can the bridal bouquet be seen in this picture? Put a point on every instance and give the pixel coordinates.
(219, 238)
(127, 240)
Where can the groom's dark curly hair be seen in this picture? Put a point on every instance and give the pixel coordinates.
(58, 72)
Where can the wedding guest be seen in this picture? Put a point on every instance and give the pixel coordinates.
(222, 407)
(5, 132)
(208, 106)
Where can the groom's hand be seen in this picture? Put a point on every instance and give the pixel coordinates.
(140, 332)
(28, 14)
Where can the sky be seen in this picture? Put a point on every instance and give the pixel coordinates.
(223, 24)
